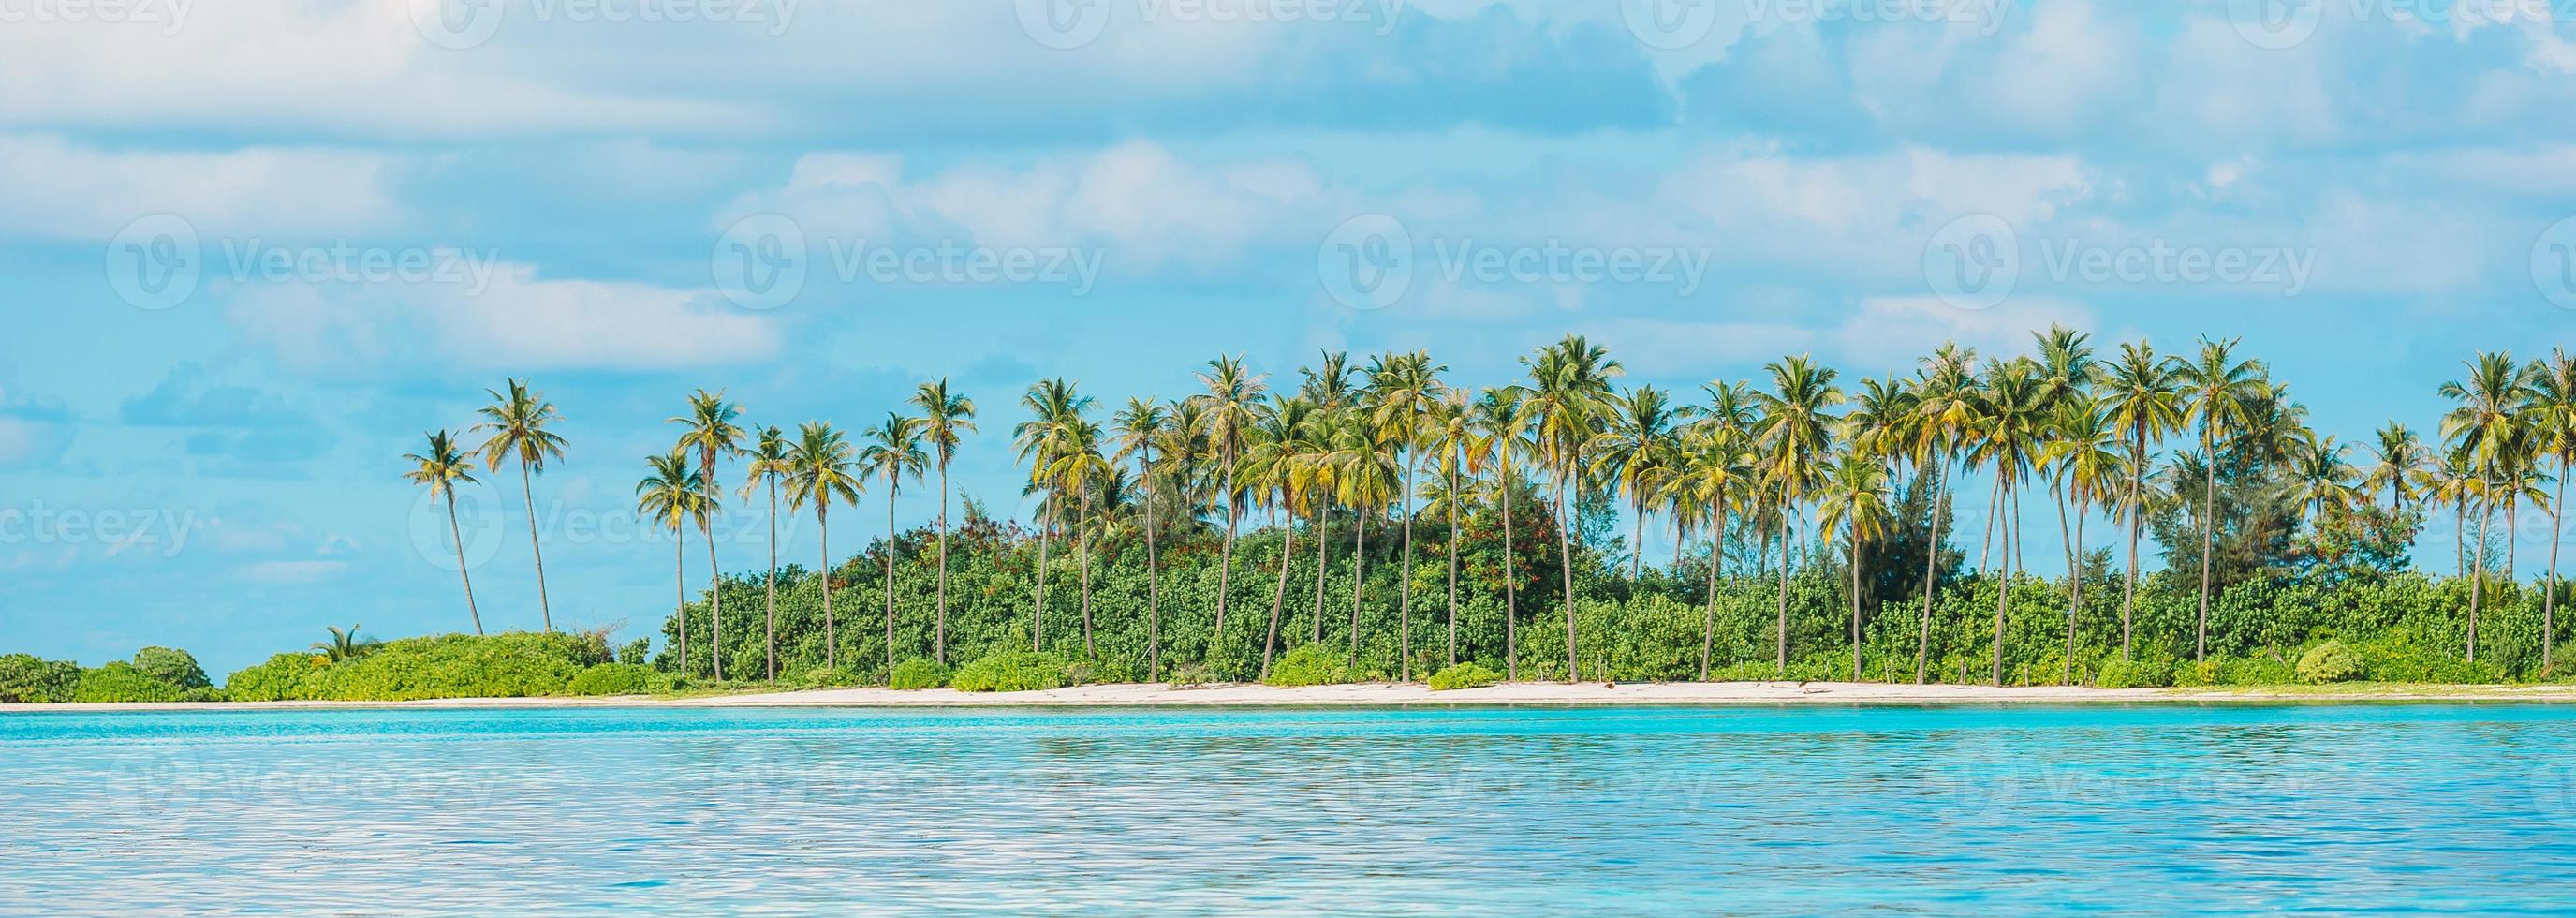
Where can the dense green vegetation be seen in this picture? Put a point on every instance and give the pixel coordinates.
(1375, 523)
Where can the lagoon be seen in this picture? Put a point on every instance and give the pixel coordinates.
(2152, 807)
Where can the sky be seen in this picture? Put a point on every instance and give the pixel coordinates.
(251, 251)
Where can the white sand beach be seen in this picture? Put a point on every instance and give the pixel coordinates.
(1408, 694)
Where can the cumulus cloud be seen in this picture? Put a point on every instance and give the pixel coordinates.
(59, 189)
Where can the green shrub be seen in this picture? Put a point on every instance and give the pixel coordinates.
(2331, 661)
(2135, 674)
(1016, 671)
(612, 679)
(513, 665)
(1464, 676)
(172, 666)
(283, 677)
(1189, 674)
(1310, 664)
(827, 677)
(25, 678)
(919, 674)
(122, 681)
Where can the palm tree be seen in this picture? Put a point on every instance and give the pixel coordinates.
(770, 462)
(1715, 471)
(1854, 499)
(893, 453)
(1451, 437)
(1275, 474)
(517, 420)
(344, 645)
(1079, 468)
(1943, 405)
(2219, 391)
(1364, 478)
(2552, 410)
(674, 495)
(1502, 439)
(441, 468)
(2083, 454)
(1138, 426)
(2008, 432)
(709, 428)
(2143, 394)
(1054, 408)
(944, 416)
(2487, 428)
(1403, 386)
(1634, 454)
(822, 460)
(1792, 438)
(1569, 393)
(2400, 465)
(1233, 392)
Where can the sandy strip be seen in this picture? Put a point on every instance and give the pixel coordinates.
(1401, 694)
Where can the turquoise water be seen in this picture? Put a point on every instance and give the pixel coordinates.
(1660, 810)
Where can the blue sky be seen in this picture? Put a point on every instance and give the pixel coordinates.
(250, 251)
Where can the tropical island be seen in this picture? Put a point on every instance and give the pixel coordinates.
(1380, 522)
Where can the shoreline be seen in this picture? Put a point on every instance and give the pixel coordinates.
(1588, 694)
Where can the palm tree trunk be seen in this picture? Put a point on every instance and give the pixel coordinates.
(889, 578)
(2003, 591)
(1323, 559)
(545, 607)
(1637, 550)
(1279, 594)
(1225, 559)
(939, 630)
(2478, 573)
(831, 635)
(2208, 541)
(1855, 599)
(1511, 599)
(1781, 667)
(1565, 562)
(1046, 536)
(457, 534)
(1359, 577)
(1404, 571)
(2549, 602)
(2137, 518)
(1453, 563)
(1153, 578)
(771, 642)
(1082, 552)
(1931, 557)
(2075, 584)
(715, 599)
(680, 584)
(1716, 559)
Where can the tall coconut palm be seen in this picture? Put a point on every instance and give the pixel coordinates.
(674, 495)
(1853, 500)
(1365, 480)
(441, 467)
(2142, 394)
(1449, 438)
(2219, 391)
(1716, 470)
(2323, 480)
(1944, 405)
(1402, 388)
(1273, 469)
(1138, 427)
(709, 429)
(1078, 468)
(2400, 465)
(1233, 393)
(518, 420)
(770, 463)
(2008, 437)
(2083, 456)
(1568, 395)
(2486, 427)
(946, 415)
(822, 462)
(2552, 411)
(1791, 442)
(893, 453)
(1054, 410)
(1502, 440)
(1634, 453)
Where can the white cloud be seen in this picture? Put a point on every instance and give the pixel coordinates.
(62, 190)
